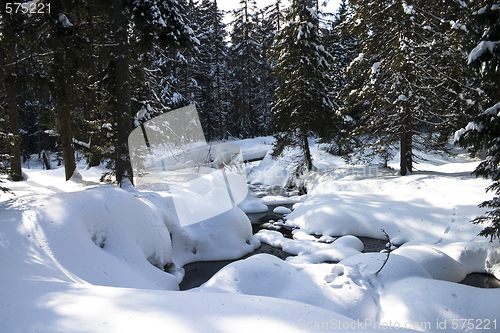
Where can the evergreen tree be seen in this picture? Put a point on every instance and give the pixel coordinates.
(483, 134)
(155, 24)
(303, 104)
(343, 46)
(9, 35)
(212, 54)
(411, 88)
(245, 54)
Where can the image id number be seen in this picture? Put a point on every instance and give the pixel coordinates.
(474, 324)
(25, 8)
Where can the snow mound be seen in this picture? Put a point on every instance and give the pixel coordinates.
(282, 210)
(223, 237)
(266, 275)
(88, 237)
(476, 257)
(438, 264)
(350, 242)
(251, 205)
(396, 268)
(268, 172)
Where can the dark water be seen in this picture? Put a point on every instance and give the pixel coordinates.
(481, 280)
(197, 273)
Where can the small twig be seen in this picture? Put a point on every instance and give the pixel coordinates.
(389, 245)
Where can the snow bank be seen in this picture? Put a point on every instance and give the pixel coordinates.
(395, 269)
(434, 207)
(281, 200)
(477, 257)
(62, 307)
(92, 235)
(86, 237)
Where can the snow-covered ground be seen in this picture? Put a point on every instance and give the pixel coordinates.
(83, 256)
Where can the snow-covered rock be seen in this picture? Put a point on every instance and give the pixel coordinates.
(282, 210)
(438, 264)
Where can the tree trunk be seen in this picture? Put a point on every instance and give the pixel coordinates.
(15, 149)
(124, 118)
(406, 163)
(60, 42)
(64, 114)
(307, 152)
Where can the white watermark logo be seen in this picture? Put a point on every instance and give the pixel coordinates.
(170, 153)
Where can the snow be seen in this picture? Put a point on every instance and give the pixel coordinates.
(365, 202)
(255, 148)
(252, 205)
(438, 306)
(438, 264)
(84, 256)
(481, 48)
(457, 26)
(266, 275)
(278, 199)
(282, 210)
(269, 171)
(63, 19)
(494, 110)
(408, 9)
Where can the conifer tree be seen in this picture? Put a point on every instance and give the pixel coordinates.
(245, 54)
(301, 65)
(9, 25)
(343, 46)
(411, 90)
(155, 23)
(212, 54)
(483, 134)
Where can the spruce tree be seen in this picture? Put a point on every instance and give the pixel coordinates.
(343, 46)
(208, 68)
(411, 89)
(245, 54)
(301, 66)
(483, 134)
(9, 36)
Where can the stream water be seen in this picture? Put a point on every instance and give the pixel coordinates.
(197, 273)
